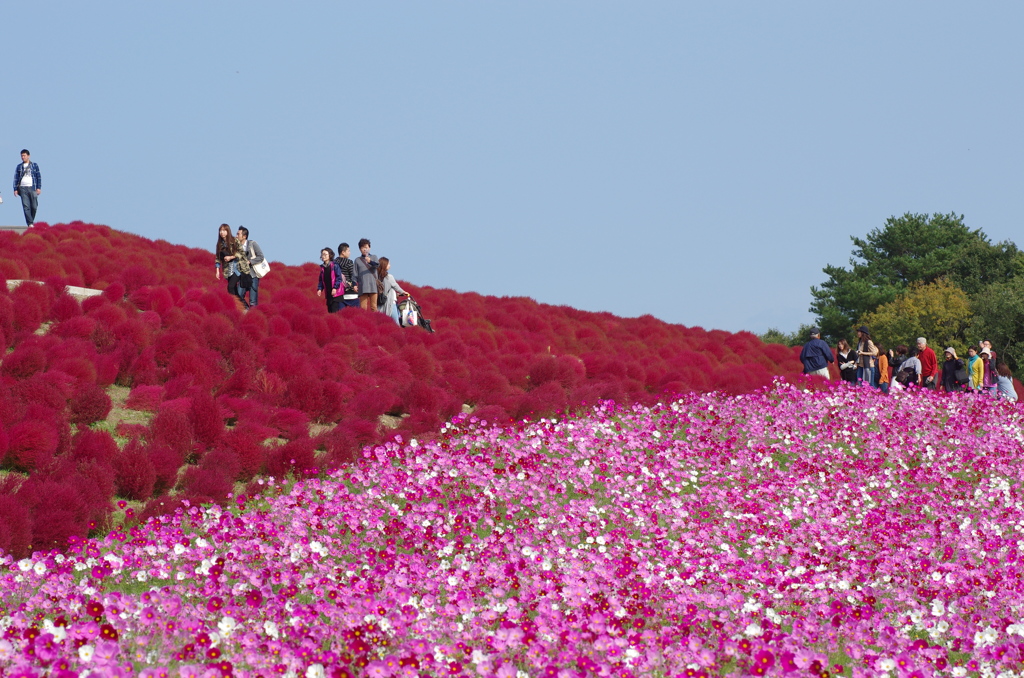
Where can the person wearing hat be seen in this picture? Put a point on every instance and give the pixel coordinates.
(867, 357)
(989, 382)
(816, 355)
(929, 364)
(951, 366)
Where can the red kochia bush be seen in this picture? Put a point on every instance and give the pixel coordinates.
(134, 472)
(24, 361)
(31, 445)
(88, 405)
(15, 527)
(172, 426)
(145, 398)
(93, 445)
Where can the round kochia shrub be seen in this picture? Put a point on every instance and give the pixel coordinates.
(89, 405)
(134, 472)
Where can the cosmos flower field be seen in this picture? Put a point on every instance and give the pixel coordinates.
(827, 532)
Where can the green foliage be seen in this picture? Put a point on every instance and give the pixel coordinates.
(914, 248)
(999, 317)
(939, 311)
(776, 336)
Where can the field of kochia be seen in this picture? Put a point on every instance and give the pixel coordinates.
(162, 390)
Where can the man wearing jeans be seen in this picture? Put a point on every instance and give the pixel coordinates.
(28, 184)
(254, 254)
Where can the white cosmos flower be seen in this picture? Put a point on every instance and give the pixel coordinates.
(85, 653)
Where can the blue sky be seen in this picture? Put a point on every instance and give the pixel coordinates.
(699, 162)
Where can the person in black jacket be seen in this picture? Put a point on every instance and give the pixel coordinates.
(350, 294)
(847, 359)
(949, 369)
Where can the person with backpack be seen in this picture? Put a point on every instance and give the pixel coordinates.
(331, 280)
(910, 370)
(954, 374)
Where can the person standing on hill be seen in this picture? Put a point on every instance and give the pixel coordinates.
(28, 183)
(366, 276)
(975, 368)
(867, 358)
(350, 295)
(228, 260)
(253, 254)
(951, 381)
(329, 284)
(989, 382)
(816, 355)
(884, 371)
(929, 364)
(847, 361)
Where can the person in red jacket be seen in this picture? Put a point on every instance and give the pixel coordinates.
(929, 365)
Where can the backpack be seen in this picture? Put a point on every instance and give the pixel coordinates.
(907, 375)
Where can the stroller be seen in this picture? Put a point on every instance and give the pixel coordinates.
(410, 313)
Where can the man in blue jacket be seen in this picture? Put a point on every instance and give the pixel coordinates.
(816, 355)
(28, 184)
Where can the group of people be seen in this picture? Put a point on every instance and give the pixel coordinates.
(869, 363)
(366, 281)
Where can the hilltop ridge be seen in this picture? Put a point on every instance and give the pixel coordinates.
(162, 386)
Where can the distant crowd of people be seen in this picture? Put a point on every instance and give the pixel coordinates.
(366, 281)
(870, 364)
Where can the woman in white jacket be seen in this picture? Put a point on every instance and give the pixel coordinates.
(388, 289)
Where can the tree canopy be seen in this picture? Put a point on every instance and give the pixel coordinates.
(939, 311)
(913, 248)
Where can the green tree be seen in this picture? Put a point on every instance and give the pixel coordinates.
(914, 248)
(776, 336)
(999, 317)
(939, 311)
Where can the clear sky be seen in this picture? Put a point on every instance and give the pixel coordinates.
(697, 161)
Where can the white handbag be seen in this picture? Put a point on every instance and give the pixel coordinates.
(262, 268)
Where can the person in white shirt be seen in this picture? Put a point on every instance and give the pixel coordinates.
(28, 183)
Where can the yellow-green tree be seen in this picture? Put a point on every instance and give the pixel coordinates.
(939, 311)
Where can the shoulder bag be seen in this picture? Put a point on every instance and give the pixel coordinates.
(262, 268)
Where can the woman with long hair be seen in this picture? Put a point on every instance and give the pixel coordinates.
(1004, 382)
(229, 261)
(388, 289)
(867, 358)
(847, 361)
